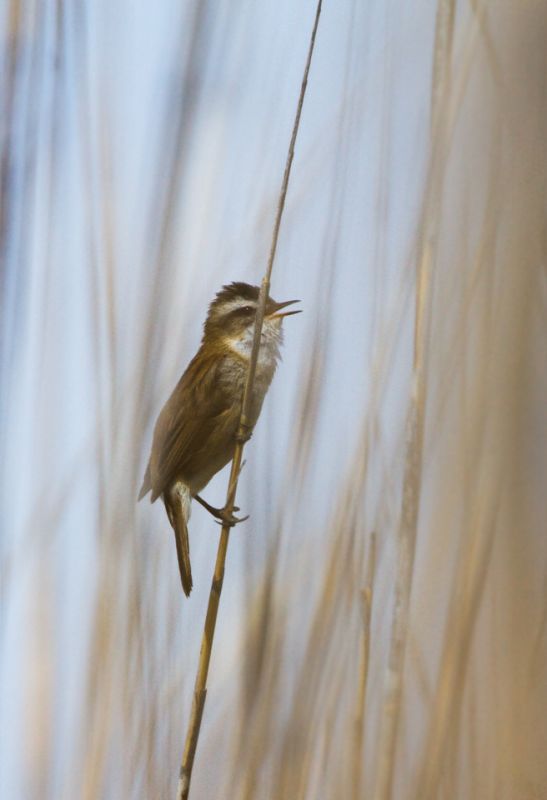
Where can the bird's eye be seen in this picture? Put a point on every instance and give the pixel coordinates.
(247, 309)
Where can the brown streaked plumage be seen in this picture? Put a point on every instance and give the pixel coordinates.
(194, 436)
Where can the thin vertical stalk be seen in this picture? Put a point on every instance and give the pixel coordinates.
(406, 547)
(363, 671)
(412, 477)
(243, 434)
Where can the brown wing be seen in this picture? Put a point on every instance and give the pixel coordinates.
(185, 423)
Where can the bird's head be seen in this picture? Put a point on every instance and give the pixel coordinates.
(232, 314)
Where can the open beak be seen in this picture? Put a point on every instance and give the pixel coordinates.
(274, 309)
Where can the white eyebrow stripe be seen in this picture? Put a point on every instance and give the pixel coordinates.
(231, 305)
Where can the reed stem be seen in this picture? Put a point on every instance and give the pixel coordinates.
(243, 434)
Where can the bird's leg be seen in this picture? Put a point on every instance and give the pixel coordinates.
(221, 514)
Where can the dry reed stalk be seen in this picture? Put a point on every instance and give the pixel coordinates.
(292, 778)
(412, 479)
(406, 548)
(243, 434)
(466, 599)
(366, 595)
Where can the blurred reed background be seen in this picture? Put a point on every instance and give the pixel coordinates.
(396, 479)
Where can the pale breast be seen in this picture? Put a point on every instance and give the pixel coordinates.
(234, 374)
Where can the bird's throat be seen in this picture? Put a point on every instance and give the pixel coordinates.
(271, 339)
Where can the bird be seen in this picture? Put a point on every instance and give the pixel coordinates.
(195, 433)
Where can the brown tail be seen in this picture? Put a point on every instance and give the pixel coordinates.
(180, 528)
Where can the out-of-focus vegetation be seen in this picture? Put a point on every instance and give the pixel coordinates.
(396, 478)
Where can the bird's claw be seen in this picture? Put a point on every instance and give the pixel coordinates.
(227, 518)
(222, 515)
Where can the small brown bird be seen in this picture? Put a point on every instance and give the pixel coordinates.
(195, 432)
